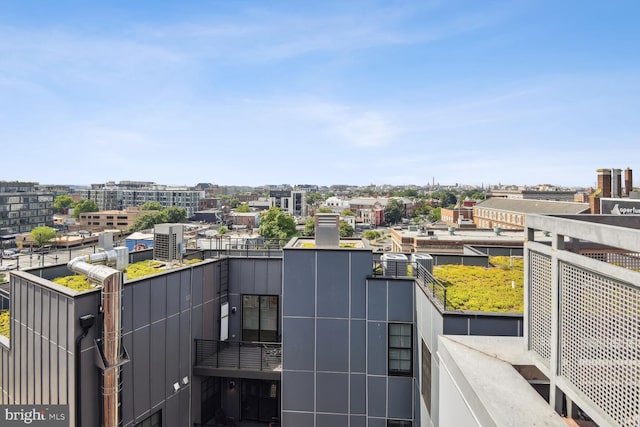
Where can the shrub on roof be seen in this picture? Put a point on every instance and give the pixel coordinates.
(496, 289)
(5, 321)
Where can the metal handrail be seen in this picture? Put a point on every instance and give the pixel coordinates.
(248, 355)
(247, 248)
(401, 269)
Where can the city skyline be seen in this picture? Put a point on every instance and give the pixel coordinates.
(249, 93)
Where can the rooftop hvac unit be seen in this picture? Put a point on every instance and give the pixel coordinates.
(394, 264)
(425, 260)
(168, 242)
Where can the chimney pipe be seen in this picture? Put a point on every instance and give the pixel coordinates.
(628, 181)
(604, 182)
(110, 279)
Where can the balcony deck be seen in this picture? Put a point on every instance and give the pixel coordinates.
(258, 360)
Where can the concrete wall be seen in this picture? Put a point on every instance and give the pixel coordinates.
(335, 340)
(456, 412)
(429, 325)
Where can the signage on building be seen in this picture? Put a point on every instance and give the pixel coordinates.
(620, 206)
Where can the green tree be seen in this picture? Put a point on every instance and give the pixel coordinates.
(43, 234)
(175, 214)
(345, 229)
(347, 212)
(448, 199)
(223, 230)
(409, 192)
(371, 234)
(275, 224)
(151, 206)
(61, 203)
(393, 211)
(313, 197)
(83, 206)
(243, 208)
(148, 220)
(434, 215)
(310, 226)
(234, 203)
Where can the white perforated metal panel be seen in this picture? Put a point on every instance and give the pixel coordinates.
(629, 260)
(599, 348)
(540, 300)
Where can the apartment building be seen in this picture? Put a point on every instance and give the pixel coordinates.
(23, 207)
(318, 334)
(132, 195)
(509, 214)
(109, 220)
(292, 202)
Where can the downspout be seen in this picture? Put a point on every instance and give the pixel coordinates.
(110, 279)
(86, 322)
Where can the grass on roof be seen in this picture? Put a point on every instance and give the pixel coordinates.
(496, 289)
(5, 320)
(79, 282)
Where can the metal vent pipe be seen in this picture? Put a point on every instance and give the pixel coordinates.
(111, 283)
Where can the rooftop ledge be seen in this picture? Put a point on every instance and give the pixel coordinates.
(310, 243)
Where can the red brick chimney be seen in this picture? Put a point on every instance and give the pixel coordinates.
(604, 182)
(628, 181)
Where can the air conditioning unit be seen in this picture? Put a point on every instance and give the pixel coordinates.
(425, 260)
(394, 264)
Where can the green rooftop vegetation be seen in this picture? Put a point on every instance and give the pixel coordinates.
(79, 282)
(4, 277)
(496, 289)
(5, 320)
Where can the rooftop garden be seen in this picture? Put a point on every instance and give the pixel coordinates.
(79, 282)
(5, 320)
(496, 289)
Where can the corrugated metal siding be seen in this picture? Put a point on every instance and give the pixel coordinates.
(38, 368)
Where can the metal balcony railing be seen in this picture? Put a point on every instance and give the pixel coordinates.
(244, 248)
(401, 269)
(243, 355)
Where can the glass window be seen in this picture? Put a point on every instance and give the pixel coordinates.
(400, 349)
(399, 423)
(154, 420)
(260, 318)
(426, 376)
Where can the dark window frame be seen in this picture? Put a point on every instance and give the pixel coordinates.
(260, 330)
(153, 420)
(399, 423)
(390, 349)
(425, 386)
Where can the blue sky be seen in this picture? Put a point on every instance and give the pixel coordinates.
(331, 92)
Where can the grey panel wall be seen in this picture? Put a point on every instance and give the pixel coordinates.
(335, 340)
(38, 366)
(252, 276)
(161, 317)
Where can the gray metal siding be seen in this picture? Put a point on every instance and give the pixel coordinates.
(38, 366)
(335, 340)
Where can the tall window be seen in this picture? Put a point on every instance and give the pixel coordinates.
(400, 349)
(426, 376)
(154, 420)
(260, 318)
(210, 398)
